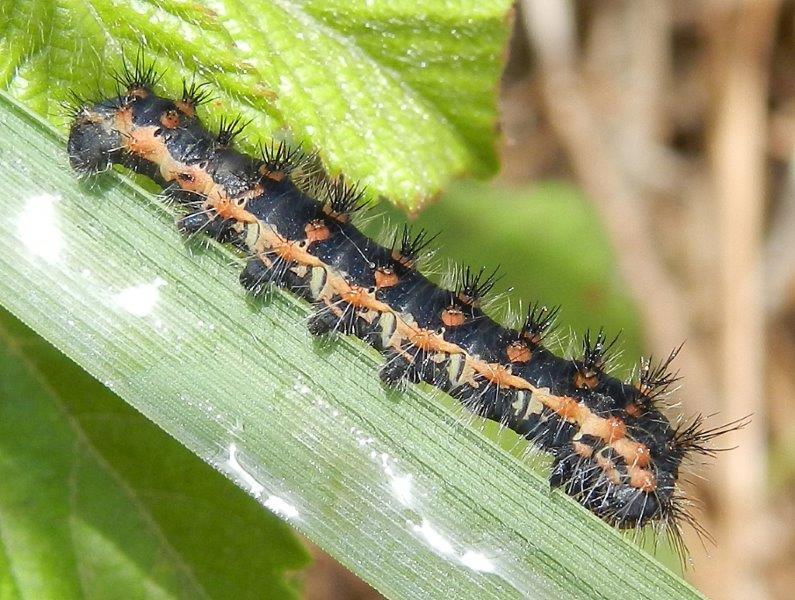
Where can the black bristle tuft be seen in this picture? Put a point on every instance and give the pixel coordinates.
(280, 157)
(538, 323)
(411, 245)
(656, 378)
(472, 286)
(194, 93)
(73, 105)
(695, 438)
(596, 352)
(677, 514)
(344, 198)
(138, 75)
(229, 129)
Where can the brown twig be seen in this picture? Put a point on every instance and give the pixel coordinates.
(741, 37)
(623, 199)
(779, 258)
(550, 27)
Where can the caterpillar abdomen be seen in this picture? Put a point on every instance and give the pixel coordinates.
(613, 450)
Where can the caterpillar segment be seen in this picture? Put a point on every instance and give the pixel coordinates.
(613, 450)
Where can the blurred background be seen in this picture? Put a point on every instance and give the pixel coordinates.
(651, 141)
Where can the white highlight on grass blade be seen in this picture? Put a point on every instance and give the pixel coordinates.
(401, 488)
(38, 229)
(254, 486)
(399, 484)
(140, 300)
(275, 504)
(435, 539)
(281, 507)
(477, 561)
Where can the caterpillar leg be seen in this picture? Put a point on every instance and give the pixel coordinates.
(260, 273)
(336, 316)
(187, 198)
(396, 370)
(487, 400)
(203, 222)
(322, 321)
(563, 468)
(413, 365)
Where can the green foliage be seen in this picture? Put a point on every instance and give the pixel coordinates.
(98, 502)
(399, 95)
(393, 485)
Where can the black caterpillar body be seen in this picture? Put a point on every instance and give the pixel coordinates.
(614, 450)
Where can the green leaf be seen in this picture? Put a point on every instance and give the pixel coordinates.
(399, 95)
(97, 502)
(394, 485)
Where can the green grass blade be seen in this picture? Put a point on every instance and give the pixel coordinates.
(394, 485)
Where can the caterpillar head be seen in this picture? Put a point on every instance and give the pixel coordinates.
(624, 494)
(133, 129)
(94, 142)
(632, 494)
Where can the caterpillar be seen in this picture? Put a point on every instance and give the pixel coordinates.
(613, 448)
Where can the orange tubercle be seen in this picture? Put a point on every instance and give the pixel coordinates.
(385, 277)
(453, 317)
(518, 352)
(317, 231)
(170, 119)
(643, 479)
